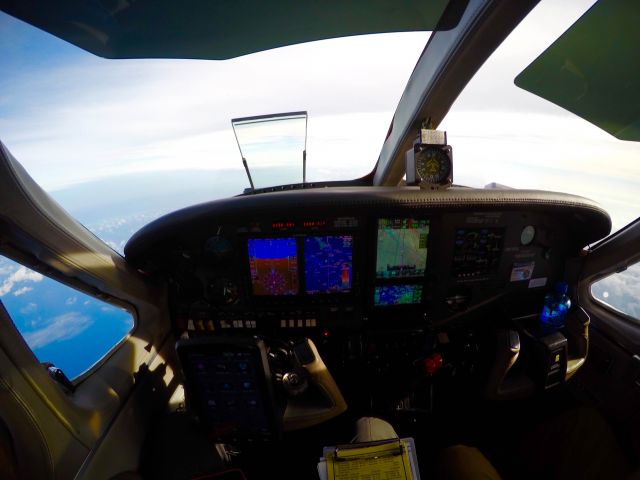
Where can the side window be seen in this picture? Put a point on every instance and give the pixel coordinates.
(620, 291)
(61, 325)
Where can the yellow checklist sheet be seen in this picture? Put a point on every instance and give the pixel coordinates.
(388, 460)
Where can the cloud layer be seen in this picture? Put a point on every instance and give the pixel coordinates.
(620, 291)
(23, 274)
(140, 115)
(60, 328)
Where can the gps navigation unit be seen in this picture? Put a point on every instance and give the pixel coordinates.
(397, 295)
(402, 248)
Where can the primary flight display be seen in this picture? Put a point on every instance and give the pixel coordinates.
(273, 263)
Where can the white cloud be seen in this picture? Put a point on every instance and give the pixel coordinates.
(141, 115)
(4, 269)
(71, 300)
(546, 152)
(23, 274)
(22, 291)
(57, 329)
(29, 308)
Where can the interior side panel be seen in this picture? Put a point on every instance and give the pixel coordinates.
(119, 449)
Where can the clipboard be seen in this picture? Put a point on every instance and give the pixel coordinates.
(393, 459)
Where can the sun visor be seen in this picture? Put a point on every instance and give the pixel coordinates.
(593, 69)
(222, 29)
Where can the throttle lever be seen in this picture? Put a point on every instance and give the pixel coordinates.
(296, 382)
(288, 368)
(321, 402)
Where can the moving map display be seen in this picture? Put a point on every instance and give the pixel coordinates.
(397, 295)
(328, 263)
(402, 247)
(273, 263)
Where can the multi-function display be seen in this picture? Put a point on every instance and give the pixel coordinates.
(229, 393)
(273, 263)
(402, 247)
(397, 295)
(328, 263)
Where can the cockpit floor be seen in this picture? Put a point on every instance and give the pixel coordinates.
(548, 436)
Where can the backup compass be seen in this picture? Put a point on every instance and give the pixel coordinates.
(430, 162)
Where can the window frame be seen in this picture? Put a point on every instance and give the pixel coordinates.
(608, 307)
(75, 284)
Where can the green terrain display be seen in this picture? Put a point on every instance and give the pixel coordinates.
(402, 247)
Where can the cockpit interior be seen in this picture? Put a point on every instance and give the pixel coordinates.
(270, 323)
(423, 309)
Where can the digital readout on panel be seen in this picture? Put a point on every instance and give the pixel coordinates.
(402, 247)
(273, 263)
(477, 252)
(328, 263)
(397, 295)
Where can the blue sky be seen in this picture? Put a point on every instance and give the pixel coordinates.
(27, 50)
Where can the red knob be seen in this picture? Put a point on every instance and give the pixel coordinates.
(433, 363)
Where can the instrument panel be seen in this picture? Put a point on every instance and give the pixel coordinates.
(391, 284)
(315, 258)
(353, 258)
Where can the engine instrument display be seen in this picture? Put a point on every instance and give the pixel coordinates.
(273, 263)
(397, 295)
(402, 247)
(328, 263)
(477, 251)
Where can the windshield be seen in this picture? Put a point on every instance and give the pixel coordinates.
(120, 142)
(505, 135)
